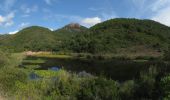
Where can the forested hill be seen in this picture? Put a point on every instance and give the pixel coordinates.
(110, 36)
(31, 38)
(70, 30)
(124, 33)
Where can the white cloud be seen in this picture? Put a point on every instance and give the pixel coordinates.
(91, 21)
(13, 32)
(161, 9)
(158, 10)
(163, 16)
(1, 19)
(7, 20)
(24, 24)
(51, 29)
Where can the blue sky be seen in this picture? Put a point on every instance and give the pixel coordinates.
(18, 14)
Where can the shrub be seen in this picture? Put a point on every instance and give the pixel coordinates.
(8, 78)
(165, 85)
(98, 89)
(146, 85)
(3, 59)
(127, 90)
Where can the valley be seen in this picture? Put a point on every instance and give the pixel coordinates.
(118, 59)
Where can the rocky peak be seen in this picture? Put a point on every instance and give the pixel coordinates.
(73, 25)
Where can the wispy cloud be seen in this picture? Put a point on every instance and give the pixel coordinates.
(6, 5)
(140, 4)
(50, 2)
(163, 16)
(107, 16)
(49, 15)
(157, 10)
(95, 9)
(104, 12)
(161, 9)
(7, 20)
(24, 24)
(28, 10)
(160, 4)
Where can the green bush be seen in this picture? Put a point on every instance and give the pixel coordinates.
(98, 89)
(8, 78)
(127, 90)
(165, 85)
(146, 84)
(3, 59)
(167, 54)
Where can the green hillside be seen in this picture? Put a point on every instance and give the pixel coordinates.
(70, 30)
(37, 38)
(112, 36)
(32, 38)
(122, 35)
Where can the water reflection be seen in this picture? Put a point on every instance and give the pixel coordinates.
(33, 76)
(56, 68)
(116, 69)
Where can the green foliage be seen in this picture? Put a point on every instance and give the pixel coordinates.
(113, 35)
(61, 86)
(9, 77)
(167, 54)
(4, 59)
(127, 90)
(165, 85)
(147, 84)
(98, 89)
(108, 37)
(32, 38)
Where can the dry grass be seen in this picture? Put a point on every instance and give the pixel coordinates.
(138, 51)
(31, 53)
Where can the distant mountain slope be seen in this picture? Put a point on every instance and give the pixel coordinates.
(33, 38)
(37, 38)
(71, 30)
(124, 35)
(115, 35)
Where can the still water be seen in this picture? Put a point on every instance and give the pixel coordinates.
(115, 69)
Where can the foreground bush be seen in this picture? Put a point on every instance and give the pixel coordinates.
(165, 84)
(64, 85)
(3, 59)
(98, 89)
(67, 86)
(9, 77)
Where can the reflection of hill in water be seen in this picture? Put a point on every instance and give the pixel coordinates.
(115, 69)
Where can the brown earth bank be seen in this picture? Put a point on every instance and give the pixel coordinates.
(31, 53)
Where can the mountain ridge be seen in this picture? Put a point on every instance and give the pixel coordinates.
(108, 36)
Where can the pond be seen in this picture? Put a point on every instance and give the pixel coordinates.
(115, 69)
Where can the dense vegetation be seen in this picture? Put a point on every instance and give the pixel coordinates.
(110, 37)
(118, 34)
(33, 38)
(62, 85)
(115, 35)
